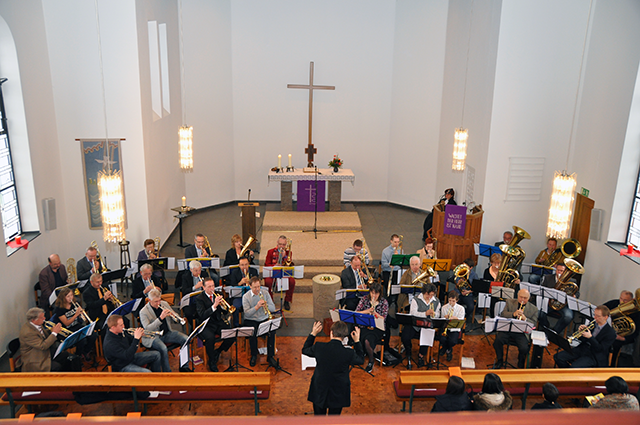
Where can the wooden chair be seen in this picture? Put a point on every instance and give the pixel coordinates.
(13, 348)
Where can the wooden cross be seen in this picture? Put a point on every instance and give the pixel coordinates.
(310, 150)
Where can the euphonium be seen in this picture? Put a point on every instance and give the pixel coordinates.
(579, 333)
(175, 316)
(421, 278)
(146, 332)
(461, 273)
(563, 284)
(518, 235)
(103, 267)
(246, 246)
(621, 322)
(63, 331)
(266, 308)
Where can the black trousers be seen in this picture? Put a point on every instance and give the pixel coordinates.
(518, 339)
(322, 411)
(253, 340)
(409, 333)
(209, 337)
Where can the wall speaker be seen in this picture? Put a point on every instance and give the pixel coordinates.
(595, 230)
(49, 213)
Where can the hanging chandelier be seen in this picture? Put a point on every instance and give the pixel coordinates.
(564, 186)
(185, 132)
(460, 149)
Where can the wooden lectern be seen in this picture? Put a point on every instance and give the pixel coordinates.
(457, 248)
(248, 219)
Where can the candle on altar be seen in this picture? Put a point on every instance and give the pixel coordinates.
(279, 161)
(18, 240)
(184, 201)
(289, 160)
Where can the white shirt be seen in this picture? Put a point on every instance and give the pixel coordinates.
(414, 307)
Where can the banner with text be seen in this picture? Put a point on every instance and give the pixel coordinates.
(455, 219)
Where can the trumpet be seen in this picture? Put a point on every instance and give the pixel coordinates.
(206, 247)
(156, 247)
(521, 316)
(448, 317)
(84, 314)
(116, 302)
(288, 261)
(146, 332)
(265, 307)
(224, 304)
(63, 331)
(175, 316)
(579, 333)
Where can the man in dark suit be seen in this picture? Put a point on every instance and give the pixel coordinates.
(36, 342)
(593, 350)
(88, 265)
(197, 250)
(625, 297)
(51, 277)
(193, 281)
(240, 276)
(521, 309)
(97, 301)
(143, 284)
(208, 307)
(353, 278)
(330, 388)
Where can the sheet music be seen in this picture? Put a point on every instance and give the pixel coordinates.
(539, 338)
(484, 300)
(187, 299)
(307, 362)
(335, 315)
(427, 336)
(282, 284)
(268, 325)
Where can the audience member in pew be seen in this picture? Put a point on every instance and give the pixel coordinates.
(153, 317)
(455, 398)
(36, 344)
(354, 250)
(493, 396)
(194, 279)
(69, 313)
(353, 278)
(516, 309)
(51, 277)
(618, 396)
(254, 304)
(593, 350)
(120, 349)
(625, 297)
(330, 388)
(407, 278)
(451, 310)
(565, 314)
(373, 303)
(426, 304)
(208, 307)
(550, 394)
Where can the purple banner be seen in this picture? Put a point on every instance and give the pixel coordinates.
(455, 219)
(307, 195)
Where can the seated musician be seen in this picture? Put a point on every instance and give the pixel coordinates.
(255, 303)
(353, 278)
(70, 315)
(120, 349)
(407, 278)
(491, 272)
(427, 252)
(99, 301)
(277, 257)
(193, 281)
(232, 257)
(375, 304)
(426, 304)
(208, 307)
(153, 317)
(240, 276)
(149, 253)
(451, 310)
(143, 284)
(51, 277)
(465, 295)
(521, 309)
(354, 250)
(36, 344)
(625, 297)
(506, 238)
(198, 250)
(543, 258)
(565, 314)
(593, 350)
(389, 273)
(89, 264)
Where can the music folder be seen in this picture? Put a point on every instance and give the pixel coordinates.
(113, 275)
(160, 263)
(402, 260)
(558, 340)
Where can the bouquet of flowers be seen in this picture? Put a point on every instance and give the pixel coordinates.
(336, 162)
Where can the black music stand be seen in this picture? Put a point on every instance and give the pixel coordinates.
(245, 331)
(558, 340)
(503, 324)
(124, 309)
(187, 346)
(353, 294)
(75, 337)
(266, 328)
(409, 320)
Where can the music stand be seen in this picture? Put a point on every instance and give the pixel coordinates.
(503, 324)
(124, 309)
(245, 331)
(266, 328)
(558, 340)
(75, 337)
(184, 352)
(438, 325)
(409, 320)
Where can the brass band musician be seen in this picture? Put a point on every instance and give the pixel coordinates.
(543, 257)
(258, 306)
(99, 301)
(240, 276)
(407, 278)
(426, 304)
(521, 309)
(51, 277)
(279, 256)
(89, 264)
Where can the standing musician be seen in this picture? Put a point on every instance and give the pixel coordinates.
(36, 344)
(240, 276)
(354, 250)
(51, 277)
(625, 297)
(379, 307)
(153, 317)
(73, 317)
(516, 309)
(232, 257)
(120, 349)
(426, 304)
(543, 257)
(208, 307)
(565, 314)
(450, 337)
(143, 284)
(88, 265)
(353, 278)
(99, 302)
(149, 253)
(596, 340)
(389, 273)
(256, 303)
(407, 278)
(277, 257)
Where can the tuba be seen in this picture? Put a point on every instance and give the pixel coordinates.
(621, 322)
(103, 267)
(570, 248)
(512, 258)
(429, 272)
(563, 284)
(245, 248)
(461, 273)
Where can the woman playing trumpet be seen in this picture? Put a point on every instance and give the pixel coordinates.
(374, 304)
(73, 317)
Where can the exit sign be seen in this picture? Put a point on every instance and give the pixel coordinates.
(585, 192)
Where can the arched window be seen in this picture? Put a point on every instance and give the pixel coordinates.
(11, 223)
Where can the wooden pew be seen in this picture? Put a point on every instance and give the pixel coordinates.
(430, 383)
(58, 388)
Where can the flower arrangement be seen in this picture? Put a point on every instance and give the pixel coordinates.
(336, 162)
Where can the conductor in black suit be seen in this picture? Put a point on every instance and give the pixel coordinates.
(208, 307)
(330, 388)
(353, 278)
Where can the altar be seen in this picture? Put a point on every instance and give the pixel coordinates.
(335, 180)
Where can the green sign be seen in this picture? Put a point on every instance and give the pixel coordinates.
(585, 192)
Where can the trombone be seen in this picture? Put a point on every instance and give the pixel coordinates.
(103, 268)
(146, 333)
(367, 272)
(64, 332)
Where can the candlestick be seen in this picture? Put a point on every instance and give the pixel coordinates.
(289, 160)
(184, 201)
(279, 161)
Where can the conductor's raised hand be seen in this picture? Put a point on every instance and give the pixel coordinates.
(317, 327)
(356, 335)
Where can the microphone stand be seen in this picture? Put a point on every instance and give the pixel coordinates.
(315, 220)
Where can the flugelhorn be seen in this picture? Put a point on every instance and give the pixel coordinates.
(64, 332)
(266, 307)
(175, 316)
(621, 322)
(579, 333)
(146, 332)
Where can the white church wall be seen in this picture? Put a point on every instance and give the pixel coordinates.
(351, 44)
(75, 71)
